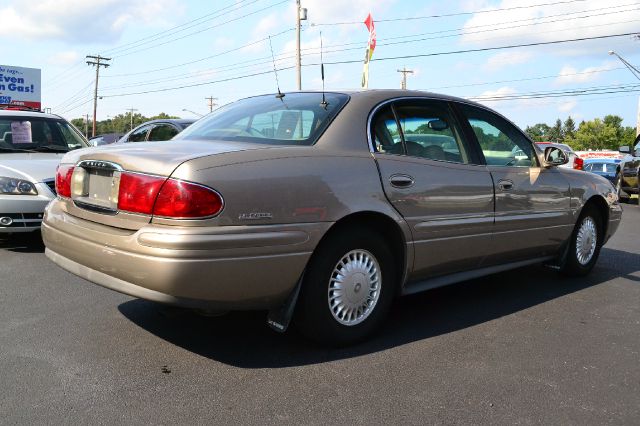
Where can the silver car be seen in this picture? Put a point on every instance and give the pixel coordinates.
(32, 144)
(323, 207)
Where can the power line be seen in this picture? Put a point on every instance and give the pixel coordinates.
(171, 31)
(200, 31)
(235, 49)
(447, 15)
(380, 59)
(266, 59)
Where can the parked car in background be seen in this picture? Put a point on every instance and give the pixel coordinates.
(575, 162)
(628, 181)
(157, 130)
(31, 146)
(605, 167)
(325, 207)
(105, 139)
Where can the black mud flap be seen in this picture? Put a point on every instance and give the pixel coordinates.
(279, 318)
(558, 263)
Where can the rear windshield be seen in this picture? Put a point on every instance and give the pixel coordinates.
(603, 167)
(295, 119)
(35, 134)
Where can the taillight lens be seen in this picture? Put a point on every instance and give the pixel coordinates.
(166, 197)
(578, 163)
(138, 192)
(63, 180)
(182, 199)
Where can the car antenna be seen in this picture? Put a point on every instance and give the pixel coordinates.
(324, 104)
(280, 95)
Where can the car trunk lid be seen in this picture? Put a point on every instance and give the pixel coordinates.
(96, 177)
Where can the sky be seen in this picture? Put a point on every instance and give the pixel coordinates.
(169, 55)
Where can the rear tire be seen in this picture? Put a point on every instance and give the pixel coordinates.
(348, 288)
(585, 243)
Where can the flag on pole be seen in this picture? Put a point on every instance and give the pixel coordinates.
(371, 45)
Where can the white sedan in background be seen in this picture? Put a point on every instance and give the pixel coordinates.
(31, 146)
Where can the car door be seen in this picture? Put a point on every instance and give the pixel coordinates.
(162, 132)
(532, 203)
(433, 179)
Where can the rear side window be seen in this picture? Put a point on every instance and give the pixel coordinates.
(419, 128)
(139, 135)
(295, 119)
(162, 132)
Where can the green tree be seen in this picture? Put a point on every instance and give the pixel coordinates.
(569, 128)
(538, 132)
(607, 133)
(555, 133)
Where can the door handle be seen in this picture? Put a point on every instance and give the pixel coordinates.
(401, 181)
(505, 185)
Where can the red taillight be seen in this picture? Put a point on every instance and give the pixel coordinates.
(578, 163)
(63, 180)
(187, 200)
(166, 197)
(138, 192)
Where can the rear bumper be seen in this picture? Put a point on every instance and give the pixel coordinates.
(225, 267)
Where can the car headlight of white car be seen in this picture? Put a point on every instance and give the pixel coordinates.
(14, 186)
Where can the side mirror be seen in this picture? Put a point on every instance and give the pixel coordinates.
(624, 149)
(438, 125)
(554, 157)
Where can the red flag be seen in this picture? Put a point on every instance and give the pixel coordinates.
(372, 33)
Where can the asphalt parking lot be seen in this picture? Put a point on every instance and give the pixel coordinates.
(522, 347)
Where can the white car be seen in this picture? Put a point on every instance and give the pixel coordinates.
(31, 146)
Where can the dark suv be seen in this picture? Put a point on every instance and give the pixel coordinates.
(628, 181)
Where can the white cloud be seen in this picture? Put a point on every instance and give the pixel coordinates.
(64, 58)
(505, 59)
(511, 26)
(571, 75)
(503, 91)
(567, 106)
(80, 21)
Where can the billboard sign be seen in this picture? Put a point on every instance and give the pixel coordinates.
(20, 86)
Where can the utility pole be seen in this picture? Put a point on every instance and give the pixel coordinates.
(97, 61)
(404, 72)
(301, 15)
(131, 110)
(636, 74)
(211, 103)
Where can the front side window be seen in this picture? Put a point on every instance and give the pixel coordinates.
(295, 119)
(38, 134)
(501, 143)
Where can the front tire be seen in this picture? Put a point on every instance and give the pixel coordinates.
(584, 246)
(348, 288)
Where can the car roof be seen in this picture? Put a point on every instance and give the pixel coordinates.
(32, 114)
(170, 120)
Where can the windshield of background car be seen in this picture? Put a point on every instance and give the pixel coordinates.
(295, 119)
(37, 134)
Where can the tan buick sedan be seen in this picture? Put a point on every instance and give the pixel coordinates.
(322, 208)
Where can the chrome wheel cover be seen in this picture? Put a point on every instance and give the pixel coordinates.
(586, 240)
(354, 287)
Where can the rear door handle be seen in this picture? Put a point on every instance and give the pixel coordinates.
(401, 181)
(505, 185)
